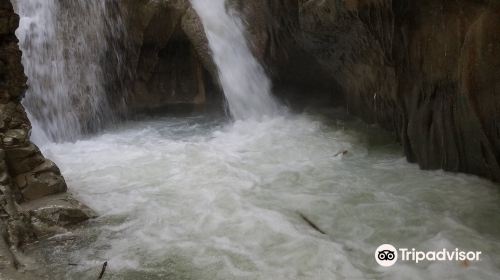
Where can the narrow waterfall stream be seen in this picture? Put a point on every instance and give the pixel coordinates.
(202, 197)
(246, 86)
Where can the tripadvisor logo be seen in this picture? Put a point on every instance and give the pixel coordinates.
(387, 255)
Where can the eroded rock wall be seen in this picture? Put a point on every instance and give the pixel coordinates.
(422, 69)
(427, 70)
(171, 65)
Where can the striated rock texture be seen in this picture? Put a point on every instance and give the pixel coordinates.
(32, 175)
(427, 70)
(25, 175)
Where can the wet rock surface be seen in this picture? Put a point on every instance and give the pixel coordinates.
(43, 180)
(54, 212)
(22, 158)
(172, 64)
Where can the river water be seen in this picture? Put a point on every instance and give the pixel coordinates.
(204, 197)
(200, 197)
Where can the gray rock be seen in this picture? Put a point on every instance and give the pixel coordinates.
(38, 185)
(60, 210)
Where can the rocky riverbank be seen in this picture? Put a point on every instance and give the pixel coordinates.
(33, 202)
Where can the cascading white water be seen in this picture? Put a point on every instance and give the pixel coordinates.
(245, 84)
(197, 198)
(63, 44)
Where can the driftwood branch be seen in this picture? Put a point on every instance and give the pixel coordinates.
(104, 265)
(311, 224)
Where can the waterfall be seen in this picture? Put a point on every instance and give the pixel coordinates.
(245, 84)
(64, 44)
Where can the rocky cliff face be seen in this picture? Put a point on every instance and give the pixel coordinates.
(427, 70)
(26, 175)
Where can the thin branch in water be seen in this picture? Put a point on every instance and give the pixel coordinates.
(104, 265)
(310, 223)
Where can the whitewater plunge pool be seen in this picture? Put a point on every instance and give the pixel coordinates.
(204, 198)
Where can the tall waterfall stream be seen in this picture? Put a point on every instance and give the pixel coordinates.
(201, 197)
(63, 44)
(246, 86)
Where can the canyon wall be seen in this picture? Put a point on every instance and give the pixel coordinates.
(427, 70)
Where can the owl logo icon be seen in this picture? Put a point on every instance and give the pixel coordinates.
(386, 255)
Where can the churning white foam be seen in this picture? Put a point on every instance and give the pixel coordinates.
(198, 199)
(245, 84)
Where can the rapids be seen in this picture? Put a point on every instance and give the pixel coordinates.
(202, 198)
